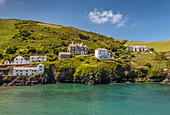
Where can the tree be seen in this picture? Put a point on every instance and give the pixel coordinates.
(160, 57)
(151, 49)
(24, 33)
(148, 65)
(1, 56)
(11, 50)
(83, 37)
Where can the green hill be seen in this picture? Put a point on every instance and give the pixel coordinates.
(48, 38)
(159, 46)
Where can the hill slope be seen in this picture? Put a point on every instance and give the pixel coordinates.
(46, 38)
(159, 46)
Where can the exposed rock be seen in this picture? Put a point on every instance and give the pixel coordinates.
(166, 81)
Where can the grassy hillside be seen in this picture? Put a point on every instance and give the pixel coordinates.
(159, 46)
(47, 38)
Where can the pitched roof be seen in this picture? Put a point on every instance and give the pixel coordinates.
(64, 53)
(77, 45)
(25, 68)
(19, 57)
(101, 49)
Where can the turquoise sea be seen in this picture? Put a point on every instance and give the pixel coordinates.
(78, 99)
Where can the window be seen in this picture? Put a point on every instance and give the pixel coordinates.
(26, 70)
(20, 73)
(20, 70)
(32, 73)
(16, 70)
(26, 73)
(21, 59)
(40, 69)
(17, 74)
(34, 70)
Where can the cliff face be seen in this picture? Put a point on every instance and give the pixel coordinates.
(105, 77)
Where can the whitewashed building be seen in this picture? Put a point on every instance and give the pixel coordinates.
(19, 60)
(137, 48)
(102, 53)
(40, 58)
(27, 71)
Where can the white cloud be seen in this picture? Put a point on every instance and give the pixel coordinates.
(107, 16)
(2, 2)
(117, 18)
(100, 17)
(122, 22)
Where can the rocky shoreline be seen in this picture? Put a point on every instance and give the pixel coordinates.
(35, 82)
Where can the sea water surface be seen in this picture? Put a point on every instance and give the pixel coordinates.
(77, 99)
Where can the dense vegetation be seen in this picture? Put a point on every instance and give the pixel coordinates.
(24, 37)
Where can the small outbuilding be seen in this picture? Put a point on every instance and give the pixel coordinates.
(64, 55)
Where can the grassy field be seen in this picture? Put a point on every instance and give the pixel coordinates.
(159, 46)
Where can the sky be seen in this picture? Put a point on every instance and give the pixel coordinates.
(133, 20)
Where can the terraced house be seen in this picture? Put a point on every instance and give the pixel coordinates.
(22, 60)
(80, 49)
(27, 71)
(137, 48)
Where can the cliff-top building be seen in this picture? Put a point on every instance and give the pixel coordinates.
(101, 53)
(26, 71)
(40, 58)
(80, 49)
(22, 60)
(137, 48)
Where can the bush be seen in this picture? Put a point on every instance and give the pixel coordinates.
(148, 65)
(160, 57)
(11, 50)
(24, 33)
(151, 49)
(83, 37)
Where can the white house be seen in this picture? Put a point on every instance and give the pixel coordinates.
(19, 60)
(27, 71)
(102, 53)
(36, 58)
(137, 48)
